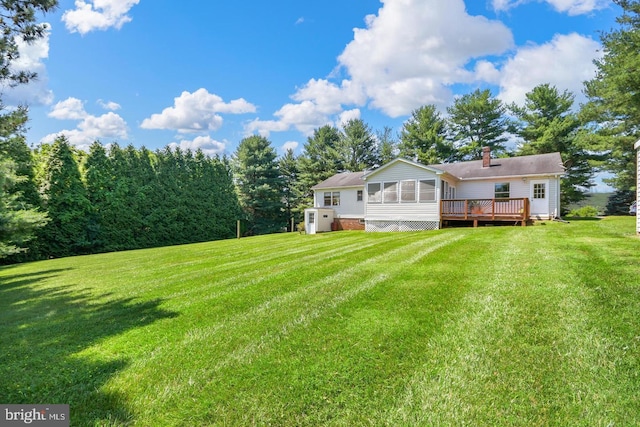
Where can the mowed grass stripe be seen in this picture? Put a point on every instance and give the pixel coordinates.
(523, 347)
(303, 286)
(240, 339)
(223, 280)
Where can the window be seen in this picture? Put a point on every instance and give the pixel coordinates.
(502, 191)
(312, 218)
(332, 199)
(539, 191)
(448, 191)
(428, 190)
(407, 191)
(359, 196)
(373, 193)
(390, 193)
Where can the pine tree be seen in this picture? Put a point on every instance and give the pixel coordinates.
(259, 185)
(613, 109)
(320, 160)
(98, 181)
(547, 124)
(423, 137)
(387, 145)
(357, 147)
(66, 202)
(477, 120)
(288, 165)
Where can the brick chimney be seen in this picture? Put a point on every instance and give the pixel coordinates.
(486, 157)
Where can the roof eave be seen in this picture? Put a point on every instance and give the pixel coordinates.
(534, 175)
(394, 161)
(337, 186)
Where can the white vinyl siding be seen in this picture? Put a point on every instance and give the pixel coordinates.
(403, 209)
(348, 207)
(518, 188)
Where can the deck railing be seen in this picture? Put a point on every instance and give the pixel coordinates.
(516, 209)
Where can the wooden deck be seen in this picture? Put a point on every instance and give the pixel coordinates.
(476, 210)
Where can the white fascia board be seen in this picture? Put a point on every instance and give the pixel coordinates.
(493, 178)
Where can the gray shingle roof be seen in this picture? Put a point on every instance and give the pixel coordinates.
(344, 179)
(539, 164)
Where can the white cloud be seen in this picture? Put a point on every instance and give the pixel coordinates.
(196, 112)
(565, 62)
(90, 129)
(485, 71)
(414, 49)
(290, 145)
(31, 60)
(571, 7)
(319, 102)
(98, 15)
(208, 145)
(69, 109)
(345, 116)
(407, 56)
(109, 105)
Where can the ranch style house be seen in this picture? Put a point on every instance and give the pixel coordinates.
(404, 195)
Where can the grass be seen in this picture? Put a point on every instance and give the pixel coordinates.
(491, 326)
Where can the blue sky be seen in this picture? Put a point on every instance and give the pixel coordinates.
(207, 74)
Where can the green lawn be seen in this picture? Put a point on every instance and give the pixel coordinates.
(492, 326)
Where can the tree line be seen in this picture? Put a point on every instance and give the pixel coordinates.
(123, 198)
(58, 201)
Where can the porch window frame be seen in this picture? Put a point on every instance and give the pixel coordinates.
(430, 189)
(404, 193)
(387, 192)
(374, 196)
